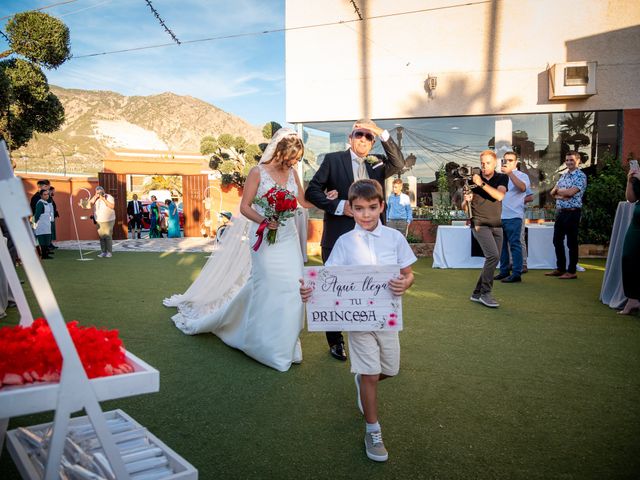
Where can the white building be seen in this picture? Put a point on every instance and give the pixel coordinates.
(565, 72)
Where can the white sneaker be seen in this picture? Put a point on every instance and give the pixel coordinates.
(101, 255)
(358, 398)
(108, 255)
(488, 301)
(375, 447)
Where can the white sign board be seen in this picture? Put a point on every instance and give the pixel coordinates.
(353, 298)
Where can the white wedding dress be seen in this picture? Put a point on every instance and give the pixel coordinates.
(262, 316)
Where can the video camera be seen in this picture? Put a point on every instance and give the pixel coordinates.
(466, 172)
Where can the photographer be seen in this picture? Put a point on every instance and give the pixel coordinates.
(485, 200)
(105, 218)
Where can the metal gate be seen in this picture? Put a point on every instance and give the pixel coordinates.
(193, 187)
(116, 186)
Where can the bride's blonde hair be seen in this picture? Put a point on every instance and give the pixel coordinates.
(290, 146)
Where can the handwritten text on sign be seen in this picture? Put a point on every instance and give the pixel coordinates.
(353, 298)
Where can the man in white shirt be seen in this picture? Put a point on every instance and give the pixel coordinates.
(513, 206)
(105, 217)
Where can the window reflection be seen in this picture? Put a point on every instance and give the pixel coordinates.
(541, 140)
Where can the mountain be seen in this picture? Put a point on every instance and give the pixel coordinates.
(98, 120)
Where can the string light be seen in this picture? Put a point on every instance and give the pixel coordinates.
(164, 25)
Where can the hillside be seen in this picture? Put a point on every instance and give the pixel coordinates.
(99, 120)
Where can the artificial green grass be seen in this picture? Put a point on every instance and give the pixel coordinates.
(546, 386)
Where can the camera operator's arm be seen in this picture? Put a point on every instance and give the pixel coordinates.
(109, 201)
(496, 193)
(509, 169)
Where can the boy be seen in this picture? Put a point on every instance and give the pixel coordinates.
(374, 355)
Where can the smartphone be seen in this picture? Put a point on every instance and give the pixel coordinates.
(633, 166)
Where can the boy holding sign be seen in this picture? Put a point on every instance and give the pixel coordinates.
(375, 355)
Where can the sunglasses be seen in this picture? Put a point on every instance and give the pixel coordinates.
(367, 135)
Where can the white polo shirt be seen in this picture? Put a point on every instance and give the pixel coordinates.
(513, 201)
(382, 246)
(103, 212)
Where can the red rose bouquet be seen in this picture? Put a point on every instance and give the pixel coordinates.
(30, 354)
(278, 204)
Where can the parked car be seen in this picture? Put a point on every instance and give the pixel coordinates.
(165, 213)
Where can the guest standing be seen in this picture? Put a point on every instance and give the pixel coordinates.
(486, 207)
(105, 218)
(41, 185)
(42, 220)
(155, 229)
(568, 193)
(631, 249)
(399, 215)
(134, 212)
(52, 192)
(511, 259)
(173, 229)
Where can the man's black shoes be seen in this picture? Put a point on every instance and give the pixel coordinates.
(337, 352)
(500, 276)
(512, 279)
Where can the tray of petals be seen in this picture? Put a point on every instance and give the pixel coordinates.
(43, 396)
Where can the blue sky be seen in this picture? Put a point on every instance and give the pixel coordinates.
(243, 76)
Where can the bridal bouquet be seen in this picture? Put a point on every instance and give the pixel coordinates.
(30, 354)
(278, 204)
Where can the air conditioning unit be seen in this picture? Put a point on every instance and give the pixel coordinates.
(572, 80)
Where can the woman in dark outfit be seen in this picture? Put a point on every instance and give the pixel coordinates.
(631, 249)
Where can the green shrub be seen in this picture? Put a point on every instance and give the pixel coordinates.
(604, 191)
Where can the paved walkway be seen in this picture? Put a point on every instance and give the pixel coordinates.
(181, 245)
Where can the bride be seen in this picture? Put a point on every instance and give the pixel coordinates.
(262, 315)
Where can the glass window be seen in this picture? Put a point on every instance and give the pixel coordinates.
(540, 139)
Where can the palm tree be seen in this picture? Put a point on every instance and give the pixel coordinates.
(576, 129)
(173, 183)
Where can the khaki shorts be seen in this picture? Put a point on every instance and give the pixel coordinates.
(373, 353)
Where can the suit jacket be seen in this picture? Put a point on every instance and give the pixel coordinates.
(336, 173)
(130, 209)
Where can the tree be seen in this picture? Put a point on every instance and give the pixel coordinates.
(173, 183)
(233, 156)
(36, 41)
(576, 128)
(604, 190)
(269, 129)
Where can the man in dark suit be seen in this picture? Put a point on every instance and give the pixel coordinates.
(337, 172)
(134, 212)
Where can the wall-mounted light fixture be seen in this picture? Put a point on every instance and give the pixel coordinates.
(430, 85)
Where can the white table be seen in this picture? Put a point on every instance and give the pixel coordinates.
(612, 293)
(453, 248)
(540, 251)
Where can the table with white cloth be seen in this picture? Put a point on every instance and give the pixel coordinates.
(453, 248)
(612, 293)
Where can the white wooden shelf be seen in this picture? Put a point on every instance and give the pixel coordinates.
(43, 396)
(20, 452)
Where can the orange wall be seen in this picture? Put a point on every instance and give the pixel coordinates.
(65, 187)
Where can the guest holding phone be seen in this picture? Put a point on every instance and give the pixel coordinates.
(105, 218)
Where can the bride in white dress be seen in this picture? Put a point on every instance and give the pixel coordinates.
(262, 316)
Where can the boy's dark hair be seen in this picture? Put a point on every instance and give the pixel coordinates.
(366, 189)
(398, 181)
